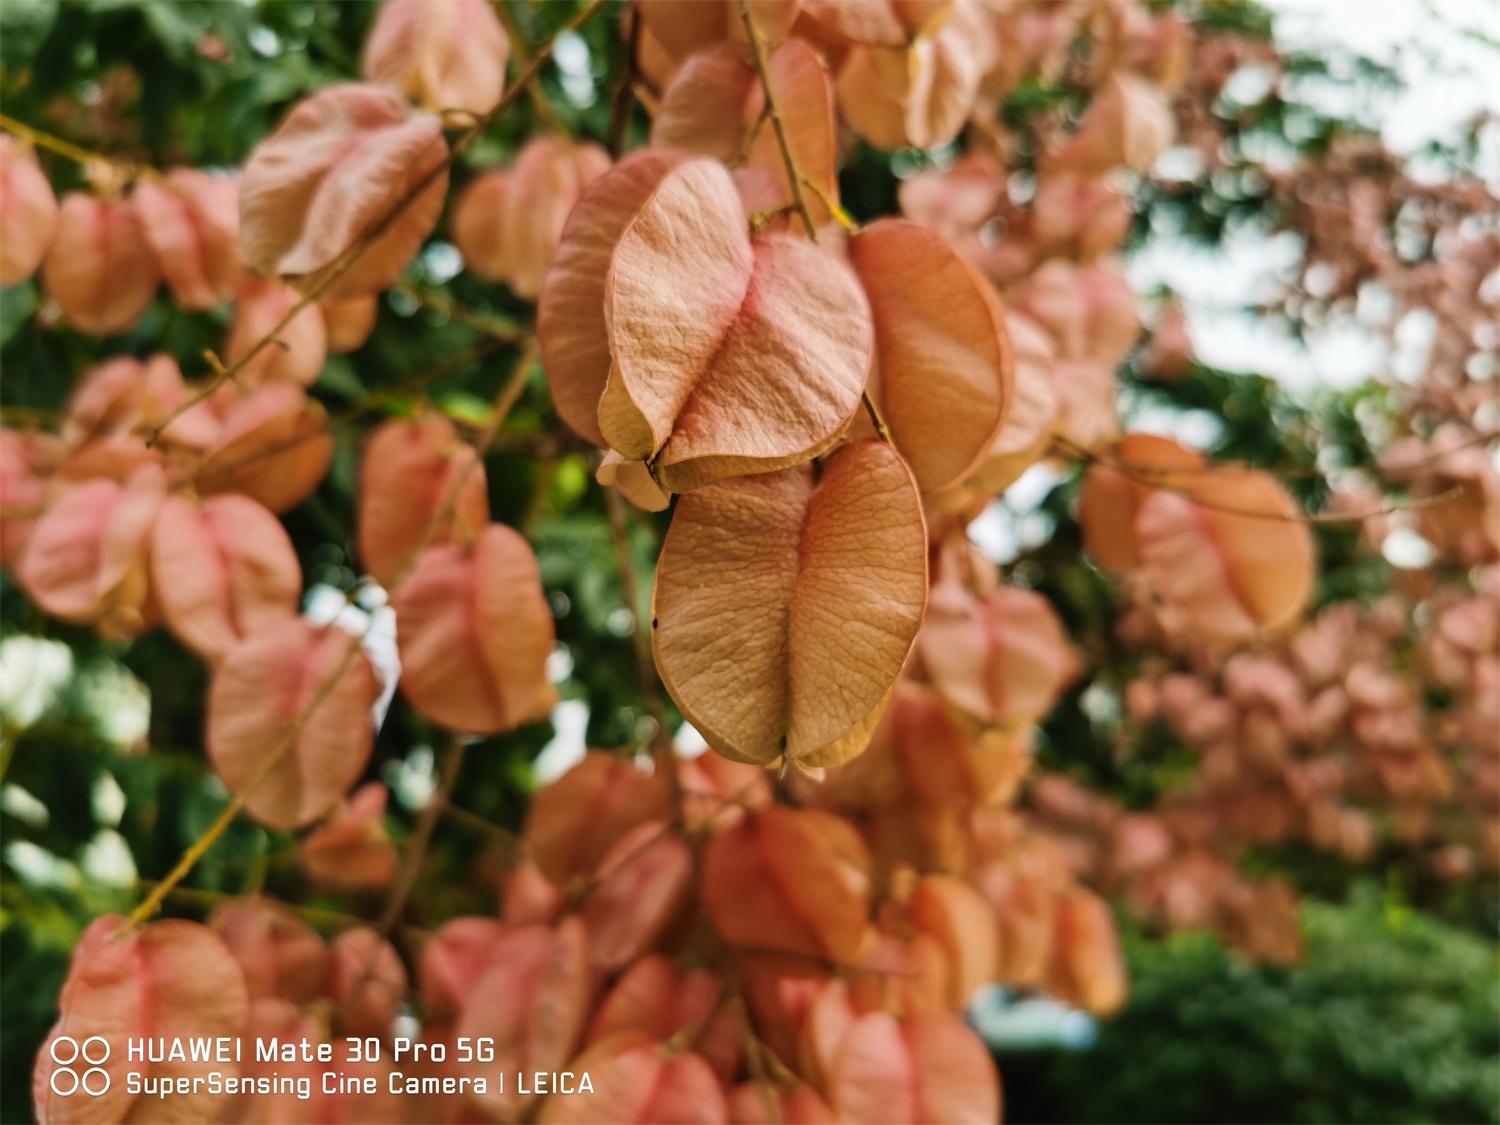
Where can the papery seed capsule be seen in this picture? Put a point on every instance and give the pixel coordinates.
(100, 268)
(28, 214)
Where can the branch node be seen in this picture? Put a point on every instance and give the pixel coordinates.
(881, 429)
(794, 177)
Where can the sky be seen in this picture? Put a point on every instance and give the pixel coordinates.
(1431, 42)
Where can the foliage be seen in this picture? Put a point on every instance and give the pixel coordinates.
(592, 356)
(1391, 1017)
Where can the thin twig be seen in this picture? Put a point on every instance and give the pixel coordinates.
(1484, 437)
(830, 205)
(614, 505)
(541, 492)
(8, 734)
(189, 859)
(209, 899)
(721, 801)
(514, 845)
(1163, 481)
(31, 416)
(509, 395)
(624, 95)
(873, 411)
(342, 264)
(750, 1045)
(747, 144)
(73, 152)
(794, 177)
(519, 53)
(759, 219)
(416, 847)
(374, 402)
(496, 328)
(661, 741)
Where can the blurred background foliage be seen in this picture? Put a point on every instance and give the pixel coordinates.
(1394, 1015)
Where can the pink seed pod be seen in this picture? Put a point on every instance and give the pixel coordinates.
(303, 343)
(508, 223)
(86, 561)
(222, 569)
(442, 54)
(352, 851)
(350, 322)
(100, 268)
(192, 222)
(28, 214)
(336, 169)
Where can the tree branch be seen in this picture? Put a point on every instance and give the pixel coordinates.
(661, 740)
(514, 845)
(624, 95)
(374, 402)
(750, 1045)
(1161, 480)
(73, 152)
(317, 914)
(496, 328)
(619, 533)
(794, 175)
(416, 847)
(830, 205)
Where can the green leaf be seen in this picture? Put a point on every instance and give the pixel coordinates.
(24, 26)
(338, 377)
(16, 306)
(469, 408)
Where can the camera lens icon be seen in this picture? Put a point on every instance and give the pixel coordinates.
(66, 1051)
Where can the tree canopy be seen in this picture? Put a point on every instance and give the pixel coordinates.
(400, 398)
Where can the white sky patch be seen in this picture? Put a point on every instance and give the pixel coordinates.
(441, 262)
(559, 664)
(32, 672)
(23, 806)
(106, 860)
(570, 719)
(413, 779)
(1010, 524)
(572, 57)
(107, 800)
(37, 867)
(118, 702)
(689, 742)
(1197, 428)
(373, 622)
(1405, 549)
